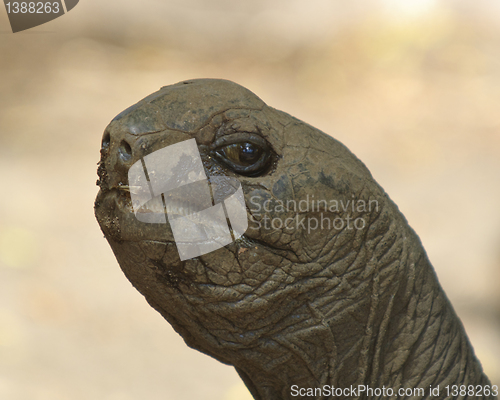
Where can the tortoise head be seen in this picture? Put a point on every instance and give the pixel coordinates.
(308, 206)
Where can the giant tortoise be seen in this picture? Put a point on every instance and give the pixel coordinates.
(322, 290)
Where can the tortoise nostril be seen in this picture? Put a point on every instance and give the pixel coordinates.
(106, 139)
(125, 151)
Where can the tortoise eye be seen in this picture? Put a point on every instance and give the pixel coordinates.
(242, 153)
(245, 154)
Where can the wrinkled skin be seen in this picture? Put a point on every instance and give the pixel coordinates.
(290, 306)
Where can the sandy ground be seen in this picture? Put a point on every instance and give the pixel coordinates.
(414, 93)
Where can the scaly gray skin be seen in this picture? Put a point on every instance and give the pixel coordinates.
(292, 306)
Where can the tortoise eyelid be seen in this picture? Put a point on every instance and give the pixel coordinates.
(239, 137)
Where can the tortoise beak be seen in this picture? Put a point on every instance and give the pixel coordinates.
(130, 189)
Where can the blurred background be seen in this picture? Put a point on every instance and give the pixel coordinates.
(411, 87)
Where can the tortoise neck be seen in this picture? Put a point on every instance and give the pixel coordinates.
(423, 343)
(401, 333)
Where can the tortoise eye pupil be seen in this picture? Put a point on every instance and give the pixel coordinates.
(249, 153)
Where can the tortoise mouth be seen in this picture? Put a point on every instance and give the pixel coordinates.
(117, 219)
(115, 215)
